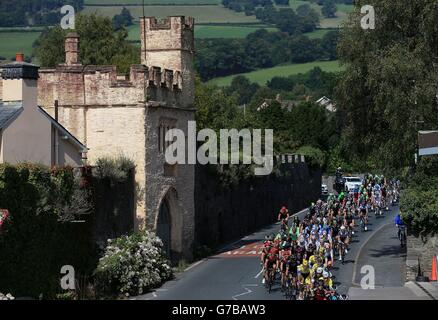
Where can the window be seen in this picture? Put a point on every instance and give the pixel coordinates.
(164, 126)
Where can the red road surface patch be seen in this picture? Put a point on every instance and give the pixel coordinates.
(250, 250)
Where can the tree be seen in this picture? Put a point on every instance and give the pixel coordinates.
(287, 21)
(17, 13)
(124, 19)
(329, 45)
(310, 125)
(99, 44)
(215, 109)
(390, 81)
(329, 9)
(243, 89)
(308, 17)
(49, 47)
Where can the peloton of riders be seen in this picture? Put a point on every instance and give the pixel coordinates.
(304, 251)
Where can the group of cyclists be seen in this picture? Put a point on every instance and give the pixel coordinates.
(302, 254)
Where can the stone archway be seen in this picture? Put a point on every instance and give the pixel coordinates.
(164, 227)
(168, 225)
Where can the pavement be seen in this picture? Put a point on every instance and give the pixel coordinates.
(234, 273)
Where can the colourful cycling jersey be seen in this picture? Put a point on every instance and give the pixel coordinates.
(328, 282)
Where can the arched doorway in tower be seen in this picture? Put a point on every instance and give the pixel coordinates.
(164, 227)
(169, 225)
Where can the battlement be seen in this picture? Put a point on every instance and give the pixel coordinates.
(173, 22)
(102, 86)
(166, 75)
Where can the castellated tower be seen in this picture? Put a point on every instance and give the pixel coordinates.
(130, 114)
(169, 44)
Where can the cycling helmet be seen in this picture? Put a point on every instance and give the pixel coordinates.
(325, 274)
(319, 270)
(342, 227)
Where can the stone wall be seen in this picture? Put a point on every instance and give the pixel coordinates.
(114, 204)
(225, 213)
(176, 185)
(420, 250)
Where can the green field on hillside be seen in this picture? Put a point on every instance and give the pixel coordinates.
(13, 42)
(347, 8)
(341, 14)
(149, 2)
(202, 14)
(263, 75)
(317, 34)
(209, 32)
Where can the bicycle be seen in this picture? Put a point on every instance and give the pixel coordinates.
(341, 251)
(363, 223)
(270, 280)
(291, 291)
(402, 235)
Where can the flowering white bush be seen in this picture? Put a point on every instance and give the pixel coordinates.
(6, 296)
(133, 264)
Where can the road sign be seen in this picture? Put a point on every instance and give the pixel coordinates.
(427, 143)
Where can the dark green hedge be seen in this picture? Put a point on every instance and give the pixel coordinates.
(419, 198)
(34, 244)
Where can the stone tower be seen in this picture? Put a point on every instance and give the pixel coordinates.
(169, 44)
(130, 114)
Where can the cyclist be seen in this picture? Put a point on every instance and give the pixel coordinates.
(356, 193)
(341, 197)
(349, 220)
(303, 272)
(328, 282)
(377, 198)
(343, 240)
(328, 254)
(267, 245)
(271, 263)
(384, 197)
(284, 259)
(400, 225)
(283, 215)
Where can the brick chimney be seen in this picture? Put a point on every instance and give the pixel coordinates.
(72, 49)
(20, 81)
(19, 57)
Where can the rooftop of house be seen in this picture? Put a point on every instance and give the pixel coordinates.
(8, 112)
(19, 69)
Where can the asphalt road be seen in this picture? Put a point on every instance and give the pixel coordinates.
(234, 273)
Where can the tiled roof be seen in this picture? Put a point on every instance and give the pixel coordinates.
(8, 113)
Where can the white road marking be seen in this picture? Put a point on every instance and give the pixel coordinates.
(360, 251)
(247, 290)
(258, 274)
(194, 265)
